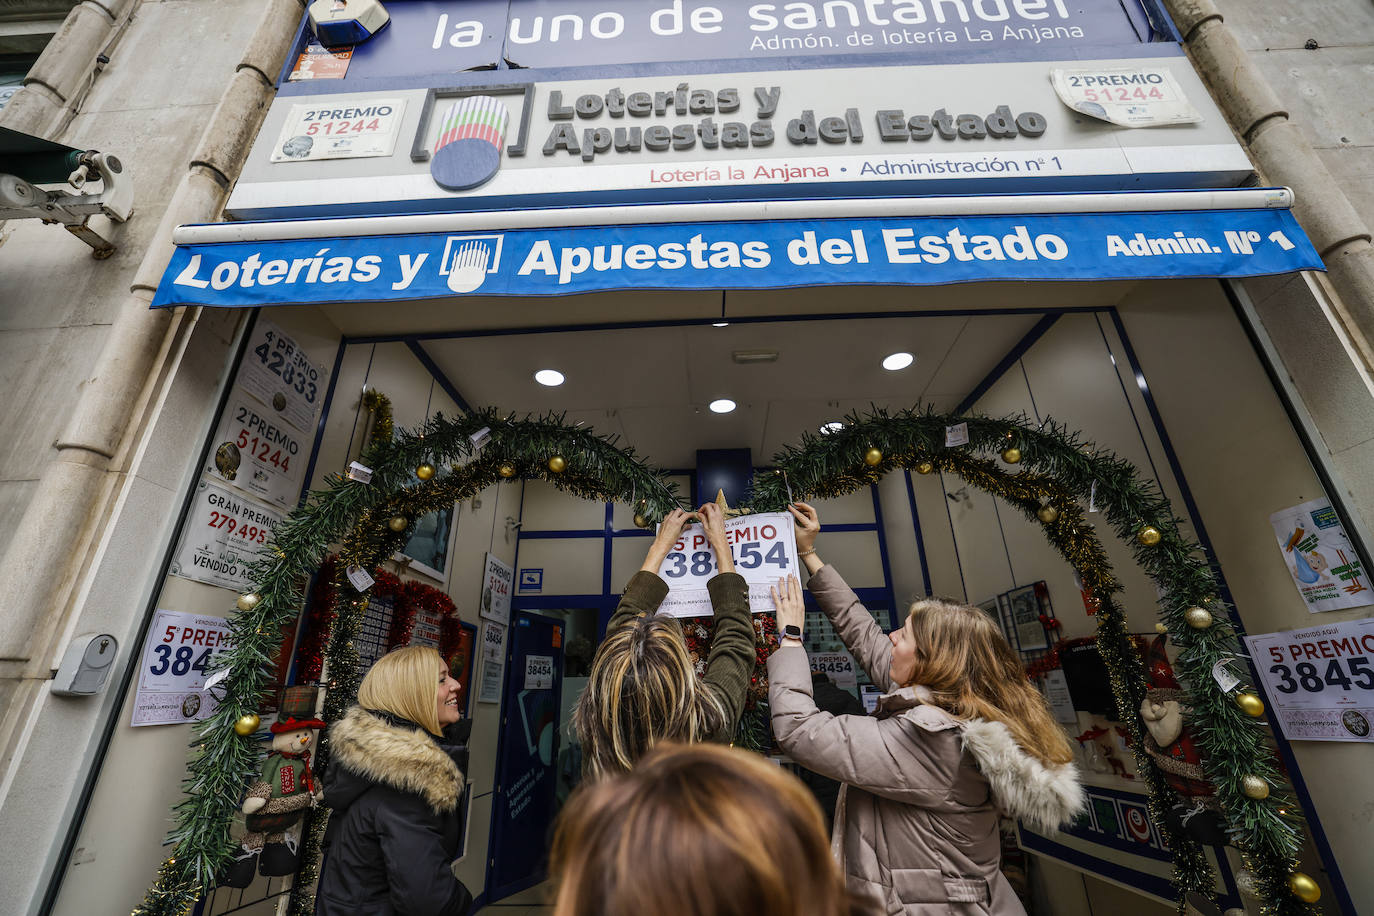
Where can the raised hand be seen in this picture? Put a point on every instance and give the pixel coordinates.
(713, 520)
(808, 525)
(787, 598)
(669, 531)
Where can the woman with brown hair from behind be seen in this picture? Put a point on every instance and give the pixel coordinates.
(959, 738)
(697, 830)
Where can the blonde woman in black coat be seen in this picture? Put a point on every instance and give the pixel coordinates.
(393, 786)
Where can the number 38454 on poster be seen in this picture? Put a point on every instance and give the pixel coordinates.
(1320, 681)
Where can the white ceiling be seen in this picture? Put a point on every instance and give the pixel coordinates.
(651, 386)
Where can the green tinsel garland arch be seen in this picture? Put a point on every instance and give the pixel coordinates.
(1058, 470)
(222, 762)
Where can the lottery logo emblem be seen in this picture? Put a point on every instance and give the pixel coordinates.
(468, 259)
(467, 152)
(1138, 824)
(1355, 723)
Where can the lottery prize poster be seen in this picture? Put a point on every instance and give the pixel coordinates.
(278, 373)
(764, 547)
(340, 128)
(497, 581)
(493, 662)
(223, 533)
(1324, 566)
(176, 658)
(1320, 681)
(838, 666)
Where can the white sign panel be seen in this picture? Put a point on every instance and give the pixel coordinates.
(493, 662)
(275, 370)
(764, 547)
(497, 580)
(257, 452)
(171, 676)
(1324, 566)
(223, 533)
(1320, 681)
(538, 672)
(339, 127)
(1056, 688)
(1126, 96)
(838, 666)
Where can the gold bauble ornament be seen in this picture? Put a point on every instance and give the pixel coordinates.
(1254, 787)
(1047, 514)
(425, 471)
(641, 521)
(925, 467)
(1011, 455)
(1304, 888)
(873, 457)
(557, 464)
(247, 724)
(1199, 618)
(506, 470)
(248, 602)
(1149, 536)
(398, 523)
(1250, 704)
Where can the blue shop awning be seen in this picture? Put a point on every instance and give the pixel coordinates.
(786, 244)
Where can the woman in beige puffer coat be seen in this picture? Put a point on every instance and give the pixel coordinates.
(959, 738)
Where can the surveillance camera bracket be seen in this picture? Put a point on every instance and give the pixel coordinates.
(114, 202)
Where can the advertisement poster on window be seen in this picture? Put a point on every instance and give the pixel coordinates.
(223, 533)
(493, 662)
(1319, 681)
(764, 547)
(1324, 565)
(1026, 604)
(497, 581)
(176, 659)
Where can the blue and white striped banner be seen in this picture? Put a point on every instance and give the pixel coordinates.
(914, 251)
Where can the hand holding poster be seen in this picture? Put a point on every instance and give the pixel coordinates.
(171, 677)
(764, 548)
(1320, 681)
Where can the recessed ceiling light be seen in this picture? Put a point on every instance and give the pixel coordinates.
(550, 377)
(833, 426)
(724, 405)
(898, 361)
(720, 324)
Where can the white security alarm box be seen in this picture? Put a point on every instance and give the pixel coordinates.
(86, 665)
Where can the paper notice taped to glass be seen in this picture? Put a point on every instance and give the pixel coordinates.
(1125, 96)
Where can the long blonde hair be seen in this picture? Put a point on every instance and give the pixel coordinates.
(405, 683)
(963, 659)
(699, 830)
(642, 690)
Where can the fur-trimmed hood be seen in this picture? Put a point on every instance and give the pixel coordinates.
(1043, 796)
(403, 758)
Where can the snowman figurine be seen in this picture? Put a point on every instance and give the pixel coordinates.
(278, 801)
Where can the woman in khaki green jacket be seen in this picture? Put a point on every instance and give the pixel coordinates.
(642, 688)
(960, 738)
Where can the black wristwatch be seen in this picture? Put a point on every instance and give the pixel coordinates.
(791, 631)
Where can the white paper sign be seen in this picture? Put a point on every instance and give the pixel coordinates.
(538, 672)
(1057, 693)
(359, 472)
(1320, 681)
(1125, 96)
(171, 677)
(497, 581)
(339, 127)
(258, 453)
(493, 662)
(956, 435)
(838, 666)
(277, 372)
(870, 696)
(764, 547)
(1324, 566)
(360, 578)
(223, 533)
(1223, 676)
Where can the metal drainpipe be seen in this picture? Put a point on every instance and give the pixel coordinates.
(1283, 156)
(66, 66)
(92, 456)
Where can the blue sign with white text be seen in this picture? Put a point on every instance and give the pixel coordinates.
(912, 251)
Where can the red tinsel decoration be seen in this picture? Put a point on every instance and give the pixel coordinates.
(698, 630)
(1045, 663)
